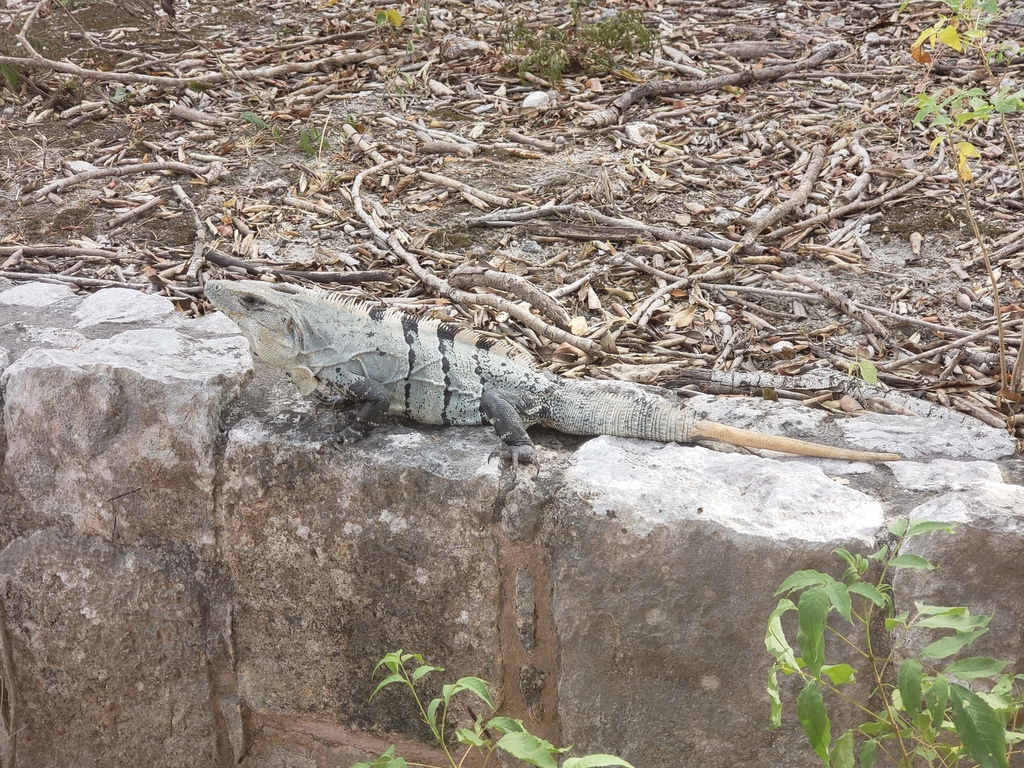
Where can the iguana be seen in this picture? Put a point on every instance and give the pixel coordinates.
(343, 351)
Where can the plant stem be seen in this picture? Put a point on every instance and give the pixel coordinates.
(997, 308)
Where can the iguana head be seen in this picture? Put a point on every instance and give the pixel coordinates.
(270, 320)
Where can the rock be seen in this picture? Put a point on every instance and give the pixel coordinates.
(663, 573)
(978, 566)
(916, 438)
(536, 100)
(641, 134)
(176, 594)
(121, 305)
(117, 436)
(36, 295)
(944, 474)
(109, 648)
(339, 557)
(671, 484)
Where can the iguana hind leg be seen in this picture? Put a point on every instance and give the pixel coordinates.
(503, 410)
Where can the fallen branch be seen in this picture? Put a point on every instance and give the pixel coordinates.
(657, 88)
(778, 213)
(842, 303)
(444, 288)
(121, 170)
(862, 205)
(471, 277)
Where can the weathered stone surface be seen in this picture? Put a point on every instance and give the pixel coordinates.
(341, 556)
(108, 645)
(914, 437)
(121, 305)
(944, 474)
(663, 573)
(35, 294)
(979, 565)
(664, 485)
(117, 435)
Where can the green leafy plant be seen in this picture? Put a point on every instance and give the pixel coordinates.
(867, 370)
(595, 48)
(260, 124)
(952, 115)
(311, 140)
(929, 710)
(409, 669)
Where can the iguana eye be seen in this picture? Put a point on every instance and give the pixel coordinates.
(250, 301)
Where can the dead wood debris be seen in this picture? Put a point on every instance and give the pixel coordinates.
(751, 205)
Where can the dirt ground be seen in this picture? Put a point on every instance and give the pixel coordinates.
(768, 205)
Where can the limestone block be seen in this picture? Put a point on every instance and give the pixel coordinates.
(664, 561)
(108, 649)
(122, 305)
(117, 436)
(913, 437)
(36, 295)
(341, 555)
(979, 565)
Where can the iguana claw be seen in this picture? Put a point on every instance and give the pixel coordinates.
(516, 454)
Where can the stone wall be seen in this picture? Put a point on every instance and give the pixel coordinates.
(188, 576)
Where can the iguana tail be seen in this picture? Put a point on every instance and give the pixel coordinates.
(611, 408)
(608, 408)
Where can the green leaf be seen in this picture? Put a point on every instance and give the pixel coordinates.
(839, 595)
(813, 612)
(936, 696)
(424, 669)
(841, 754)
(935, 610)
(432, 713)
(898, 528)
(911, 561)
(960, 622)
(974, 667)
(774, 701)
(869, 373)
(927, 526)
(867, 753)
(775, 638)
(870, 592)
(389, 680)
(811, 712)
(879, 728)
(980, 729)
(908, 681)
(506, 725)
(467, 737)
(839, 674)
(386, 760)
(530, 749)
(10, 77)
(474, 684)
(595, 761)
(802, 580)
(947, 646)
(950, 37)
(259, 122)
(896, 621)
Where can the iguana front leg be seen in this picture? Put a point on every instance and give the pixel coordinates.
(374, 396)
(504, 409)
